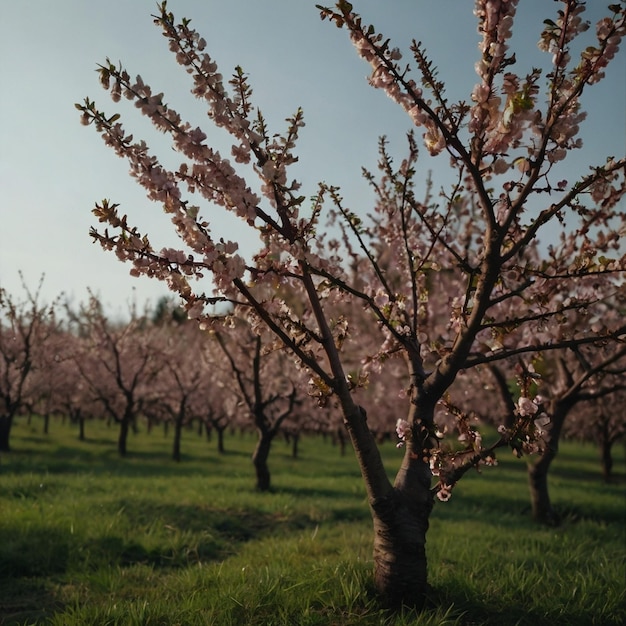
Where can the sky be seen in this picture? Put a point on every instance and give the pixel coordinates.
(53, 170)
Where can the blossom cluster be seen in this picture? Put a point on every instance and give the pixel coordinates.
(403, 430)
(526, 435)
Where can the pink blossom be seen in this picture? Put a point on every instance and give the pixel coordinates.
(526, 407)
(444, 493)
(403, 428)
(195, 310)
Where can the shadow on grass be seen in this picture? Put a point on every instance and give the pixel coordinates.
(569, 467)
(301, 491)
(511, 512)
(501, 496)
(158, 535)
(70, 460)
(226, 527)
(467, 609)
(33, 551)
(29, 558)
(26, 601)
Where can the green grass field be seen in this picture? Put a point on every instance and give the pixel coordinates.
(89, 538)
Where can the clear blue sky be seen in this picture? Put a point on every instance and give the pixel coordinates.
(52, 169)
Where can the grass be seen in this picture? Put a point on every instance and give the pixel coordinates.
(88, 538)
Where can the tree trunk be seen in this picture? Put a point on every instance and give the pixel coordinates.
(400, 565)
(6, 422)
(220, 439)
(81, 429)
(259, 458)
(294, 445)
(341, 438)
(400, 512)
(541, 505)
(123, 437)
(400, 525)
(606, 458)
(178, 429)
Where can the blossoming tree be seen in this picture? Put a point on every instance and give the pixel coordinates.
(602, 422)
(573, 386)
(558, 378)
(117, 363)
(461, 251)
(182, 379)
(581, 376)
(268, 394)
(27, 327)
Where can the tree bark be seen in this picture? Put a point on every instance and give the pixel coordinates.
(541, 505)
(220, 439)
(259, 459)
(400, 524)
(400, 513)
(542, 510)
(122, 438)
(341, 438)
(6, 422)
(178, 429)
(606, 458)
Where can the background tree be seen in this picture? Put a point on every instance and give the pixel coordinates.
(45, 384)
(561, 379)
(602, 419)
(26, 326)
(118, 363)
(268, 394)
(218, 407)
(580, 378)
(505, 146)
(183, 379)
